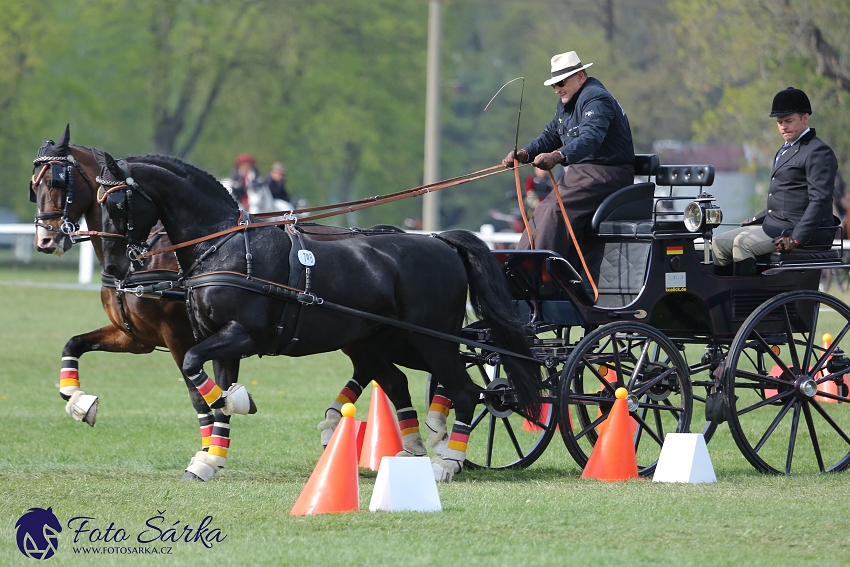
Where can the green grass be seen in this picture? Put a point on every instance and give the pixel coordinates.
(127, 469)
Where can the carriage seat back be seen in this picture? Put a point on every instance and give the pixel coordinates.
(818, 250)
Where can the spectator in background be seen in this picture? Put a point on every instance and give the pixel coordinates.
(276, 182)
(243, 176)
(538, 186)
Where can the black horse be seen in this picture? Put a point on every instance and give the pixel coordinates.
(259, 291)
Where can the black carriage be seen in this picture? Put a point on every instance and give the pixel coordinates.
(765, 353)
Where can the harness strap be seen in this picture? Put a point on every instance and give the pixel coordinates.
(572, 236)
(292, 220)
(521, 204)
(235, 279)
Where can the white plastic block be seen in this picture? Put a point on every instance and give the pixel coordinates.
(684, 458)
(405, 484)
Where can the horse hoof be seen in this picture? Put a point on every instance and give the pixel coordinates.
(191, 476)
(252, 409)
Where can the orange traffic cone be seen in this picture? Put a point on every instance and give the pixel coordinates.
(334, 485)
(613, 457)
(829, 387)
(360, 434)
(383, 438)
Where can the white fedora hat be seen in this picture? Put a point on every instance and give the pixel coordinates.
(564, 65)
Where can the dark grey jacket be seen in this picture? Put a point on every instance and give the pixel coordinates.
(799, 197)
(591, 128)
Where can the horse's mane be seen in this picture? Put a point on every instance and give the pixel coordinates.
(189, 172)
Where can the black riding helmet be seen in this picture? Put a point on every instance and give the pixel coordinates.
(789, 101)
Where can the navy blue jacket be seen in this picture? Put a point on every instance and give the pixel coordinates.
(591, 128)
(800, 193)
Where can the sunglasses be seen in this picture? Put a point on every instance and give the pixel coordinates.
(560, 83)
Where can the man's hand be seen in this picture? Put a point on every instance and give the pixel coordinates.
(785, 244)
(548, 161)
(521, 156)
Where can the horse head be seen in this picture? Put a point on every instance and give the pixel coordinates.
(127, 215)
(62, 192)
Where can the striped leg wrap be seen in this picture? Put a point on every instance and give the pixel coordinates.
(411, 439)
(69, 377)
(438, 412)
(458, 441)
(208, 389)
(348, 394)
(206, 422)
(220, 442)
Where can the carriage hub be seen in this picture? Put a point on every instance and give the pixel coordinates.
(499, 397)
(632, 400)
(805, 386)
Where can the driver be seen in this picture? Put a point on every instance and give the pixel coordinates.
(799, 198)
(591, 137)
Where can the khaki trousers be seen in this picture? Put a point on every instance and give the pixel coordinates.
(740, 244)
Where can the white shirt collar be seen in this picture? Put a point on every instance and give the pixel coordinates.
(800, 136)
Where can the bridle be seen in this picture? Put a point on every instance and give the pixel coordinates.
(61, 178)
(119, 204)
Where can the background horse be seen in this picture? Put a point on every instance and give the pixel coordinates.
(235, 283)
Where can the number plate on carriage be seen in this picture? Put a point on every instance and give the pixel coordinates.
(675, 281)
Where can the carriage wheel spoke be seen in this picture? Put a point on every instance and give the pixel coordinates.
(649, 430)
(665, 407)
(810, 344)
(597, 375)
(593, 425)
(828, 352)
(639, 432)
(792, 439)
(641, 361)
(765, 402)
(807, 411)
(478, 418)
(658, 423)
(772, 427)
(491, 435)
(789, 335)
(530, 419)
(759, 378)
(830, 421)
(511, 434)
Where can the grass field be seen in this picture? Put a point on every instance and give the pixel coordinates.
(126, 470)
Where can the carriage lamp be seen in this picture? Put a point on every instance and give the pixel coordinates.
(702, 214)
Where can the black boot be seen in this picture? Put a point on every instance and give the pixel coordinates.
(723, 270)
(744, 267)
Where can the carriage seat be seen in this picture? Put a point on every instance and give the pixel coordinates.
(808, 254)
(627, 212)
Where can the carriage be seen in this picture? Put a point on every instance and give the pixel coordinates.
(764, 353)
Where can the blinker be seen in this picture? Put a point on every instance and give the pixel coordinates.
(58, 176)
(116, 204)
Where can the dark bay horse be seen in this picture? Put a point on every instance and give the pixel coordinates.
(262, 291)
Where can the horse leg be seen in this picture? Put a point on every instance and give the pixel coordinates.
(216, 443)
(447, 367)
(226, 347)
(348, 395)
(438, 413)
(81, 406)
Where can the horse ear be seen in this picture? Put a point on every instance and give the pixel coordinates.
(99, 157)
(113, 167)
(65, 138)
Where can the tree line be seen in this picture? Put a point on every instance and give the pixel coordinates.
(336, 89)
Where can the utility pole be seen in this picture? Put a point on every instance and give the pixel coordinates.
(431, 201)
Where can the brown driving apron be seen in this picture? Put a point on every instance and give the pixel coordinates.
(583, 187)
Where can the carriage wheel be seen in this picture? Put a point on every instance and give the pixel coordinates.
(648, 365)
(503, 436)
(785, 385)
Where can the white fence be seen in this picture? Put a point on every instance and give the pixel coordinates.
(24, 234)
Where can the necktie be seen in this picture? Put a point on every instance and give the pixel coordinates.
(782, 151)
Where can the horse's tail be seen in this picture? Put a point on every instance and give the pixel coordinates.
(491, 301)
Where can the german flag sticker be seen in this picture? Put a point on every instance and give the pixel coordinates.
(672, 250)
